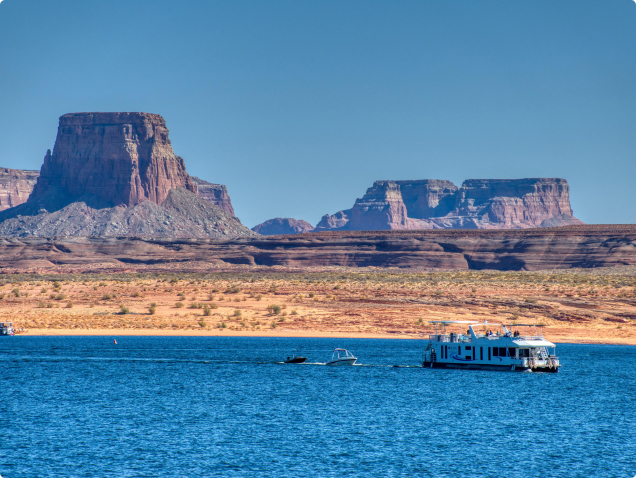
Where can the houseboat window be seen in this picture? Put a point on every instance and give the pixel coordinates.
(502, 351)
(473, 354)
(481, 353)
(459, 349)
(495, 352)
(511, 352)
(488, 353)
(468, 347)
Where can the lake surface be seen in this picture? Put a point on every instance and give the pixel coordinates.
(222, 406)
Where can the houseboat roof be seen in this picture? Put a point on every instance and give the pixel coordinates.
(446, 322)
(523, 342)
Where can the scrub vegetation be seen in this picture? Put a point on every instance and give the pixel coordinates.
(576, 305)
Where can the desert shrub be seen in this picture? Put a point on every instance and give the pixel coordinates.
(60, 297)
(56, 285)
(69, 305)
(43, 291)
(214, 306)
(273, 324)
(102, 284)
(210, 297)
(179, 305)
(2, 296)
(294, 312)
(274, 309)
(16, 292)
(259, 297)
(201, 323)
(42, 304)
(222, 325)
(311, 294)
(136, 294)
(195, 305)
(233, 290)
(215, 290)
(336, 287)
(124, 310)
(107, 297)
(206, 310)
(152, 308)
(237, 313)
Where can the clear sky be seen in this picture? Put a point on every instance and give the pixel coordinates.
(298, 106)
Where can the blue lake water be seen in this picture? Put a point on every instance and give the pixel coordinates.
(222, 406)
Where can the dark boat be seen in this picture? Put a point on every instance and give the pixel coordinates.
(294, 359)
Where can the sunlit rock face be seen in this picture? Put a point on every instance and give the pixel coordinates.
(439, 204)
(119, 158)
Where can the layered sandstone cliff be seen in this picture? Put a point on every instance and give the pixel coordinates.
(16, 186)
(514, 250)
(282, 225)
(118, 158)
(215, 193)
(439, 204)
(116, 174)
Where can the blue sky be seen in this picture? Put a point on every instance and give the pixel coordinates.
(298, 106)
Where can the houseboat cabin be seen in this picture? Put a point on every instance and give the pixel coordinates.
(490, 347)
(6, 328)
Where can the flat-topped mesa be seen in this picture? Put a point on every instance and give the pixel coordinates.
(439, 204)
(15, 186)
(119, 158)
(514, 202)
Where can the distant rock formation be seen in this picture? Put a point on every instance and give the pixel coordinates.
(439, 204)
(116, 174)
(283, 225)
(15, 186)
(215, 193)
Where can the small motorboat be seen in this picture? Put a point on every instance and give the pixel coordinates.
(294, 359)
(342, 357)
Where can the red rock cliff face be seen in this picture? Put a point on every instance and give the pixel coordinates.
(439, 204)
(15, 186)
(215, 193)
(120, 158)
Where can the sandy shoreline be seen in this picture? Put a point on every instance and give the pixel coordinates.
(281, 334)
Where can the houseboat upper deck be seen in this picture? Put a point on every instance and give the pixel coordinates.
(490, 347)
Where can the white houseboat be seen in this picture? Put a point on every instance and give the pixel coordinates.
(6, 328)
(490, 347)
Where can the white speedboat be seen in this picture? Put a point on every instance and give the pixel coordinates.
(490, 347)
(342, 357)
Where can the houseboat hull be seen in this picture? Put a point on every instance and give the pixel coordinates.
(492, 367)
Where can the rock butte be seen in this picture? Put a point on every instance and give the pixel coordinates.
(120, 158)
(283, 225)
(117, 174)
(439, 204)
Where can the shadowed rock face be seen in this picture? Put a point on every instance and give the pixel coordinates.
(280, 225)
(16, 186)
(215, 193)
(118, 158)
(439, 204)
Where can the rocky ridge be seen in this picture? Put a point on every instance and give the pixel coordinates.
(515, 250)
(283, 225)
(439, 204)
